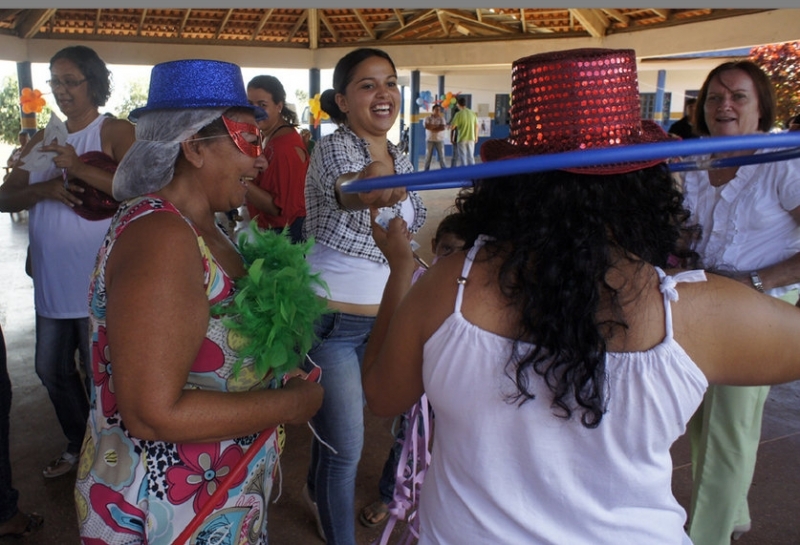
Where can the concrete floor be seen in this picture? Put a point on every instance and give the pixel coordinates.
(36, 437)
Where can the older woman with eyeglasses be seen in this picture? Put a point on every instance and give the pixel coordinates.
(177, 408)
(63, 242)
(750, 218)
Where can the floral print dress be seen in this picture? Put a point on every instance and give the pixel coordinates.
(130, 491)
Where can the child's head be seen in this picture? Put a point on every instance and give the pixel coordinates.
(453, 234)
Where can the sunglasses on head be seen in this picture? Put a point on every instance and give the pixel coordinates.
(237, 130)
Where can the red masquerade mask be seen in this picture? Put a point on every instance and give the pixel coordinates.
(237, 129)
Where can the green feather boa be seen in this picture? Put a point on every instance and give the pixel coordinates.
(274, 308)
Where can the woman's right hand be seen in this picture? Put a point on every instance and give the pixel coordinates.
(308, 396)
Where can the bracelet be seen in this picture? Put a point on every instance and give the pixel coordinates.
(756, 280)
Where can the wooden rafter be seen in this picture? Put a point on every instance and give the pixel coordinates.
(32, 21)
(183, 22)
(297, 26)
(261, 23)
(97, 21)
(222, 24)
(364, 23)
(313, 28)
(413, 22)
(400, 18)
(618, 15)
(523, 21)
(141, 22)
(593, 20)
(329, 26)
(662, 13)
(440, 14)
(484, 24)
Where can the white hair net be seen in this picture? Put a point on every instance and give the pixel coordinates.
(150, 162)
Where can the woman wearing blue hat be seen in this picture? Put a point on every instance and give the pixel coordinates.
(175, 408)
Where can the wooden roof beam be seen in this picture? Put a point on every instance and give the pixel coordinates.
(97, 21)
(528, 26)
(261, 23)
(184, 21)
(442, 21)
(484, 24)
(364, 24)
(593, 20)
(223, 23)
(313, 28)
(297, 25)
(414, 21)
(618, 15)
(662, 13)
(400, 18)
(141, 22)
(29, 25)
(329, 26)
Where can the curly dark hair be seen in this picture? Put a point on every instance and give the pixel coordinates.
(557, 234)
(98, 76)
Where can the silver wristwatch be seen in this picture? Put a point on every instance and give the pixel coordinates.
(756, 280)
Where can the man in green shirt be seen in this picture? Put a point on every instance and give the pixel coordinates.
(466, 124)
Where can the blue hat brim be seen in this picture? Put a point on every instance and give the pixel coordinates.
(196, 83)
(259, 113)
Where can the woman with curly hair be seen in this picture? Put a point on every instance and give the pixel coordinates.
(561, 357)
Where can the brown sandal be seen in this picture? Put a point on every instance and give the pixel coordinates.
(374, 514)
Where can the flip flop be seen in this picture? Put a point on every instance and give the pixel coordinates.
(374, 514)
(34, 521)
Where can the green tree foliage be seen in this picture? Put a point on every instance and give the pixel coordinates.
(135, 97)
(781, 62)
(10, 112)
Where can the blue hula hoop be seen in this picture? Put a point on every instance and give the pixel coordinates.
(463, 175)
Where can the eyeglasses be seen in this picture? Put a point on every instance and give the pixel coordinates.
(67, 83)
(237, 129)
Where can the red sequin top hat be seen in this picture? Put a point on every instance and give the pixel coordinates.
(577, 99)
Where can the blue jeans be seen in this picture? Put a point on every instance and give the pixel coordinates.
(331, 478)
(8, 494)
(466, 153)
(295, 230)
(56, 343)
(439, 148)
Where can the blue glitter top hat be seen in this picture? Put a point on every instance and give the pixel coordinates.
(196, 83)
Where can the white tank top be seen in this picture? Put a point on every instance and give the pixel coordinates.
(63, 245)
(508, 474)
